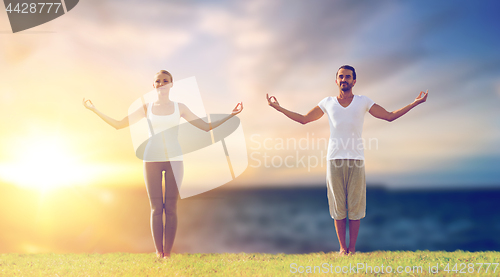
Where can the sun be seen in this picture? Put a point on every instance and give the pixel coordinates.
(43, 163)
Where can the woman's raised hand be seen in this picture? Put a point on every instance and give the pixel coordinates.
(88, 106)
(236, 110)
(274, 104)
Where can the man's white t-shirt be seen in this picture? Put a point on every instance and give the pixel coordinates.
(346, 126)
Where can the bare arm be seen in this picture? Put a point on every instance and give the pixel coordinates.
(379, 112)
(125, 122)
(188, 115)
(314, 114)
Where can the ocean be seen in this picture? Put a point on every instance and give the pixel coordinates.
(291, 220)
(298, 221)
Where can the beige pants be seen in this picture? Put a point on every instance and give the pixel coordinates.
(345, 181)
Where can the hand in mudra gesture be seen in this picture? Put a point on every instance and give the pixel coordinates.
(236, 110)
(421, 98)
(274, 104)
(87, 105)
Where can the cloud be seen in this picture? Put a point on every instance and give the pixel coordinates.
(239, 51)
(128, 30)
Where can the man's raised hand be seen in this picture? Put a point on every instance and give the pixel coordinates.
(274, 104)
(421, 98)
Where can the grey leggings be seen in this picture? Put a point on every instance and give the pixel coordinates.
(153, 178)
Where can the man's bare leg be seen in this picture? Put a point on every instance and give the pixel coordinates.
(340, 228)
(353, 235)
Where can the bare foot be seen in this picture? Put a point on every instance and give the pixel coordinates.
(351, 251)
(166, 256)
(343, 252)
(159, 255)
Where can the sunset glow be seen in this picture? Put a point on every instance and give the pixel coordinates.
(44, 163)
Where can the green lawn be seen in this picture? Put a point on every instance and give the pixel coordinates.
(243, 264)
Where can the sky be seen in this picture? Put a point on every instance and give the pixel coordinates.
(108, 51)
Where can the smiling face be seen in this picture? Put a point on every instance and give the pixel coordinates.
(345, 79)
(162, 79)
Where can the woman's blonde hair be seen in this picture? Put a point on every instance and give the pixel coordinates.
(166, 72)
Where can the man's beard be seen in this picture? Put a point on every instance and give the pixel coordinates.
(346, 88)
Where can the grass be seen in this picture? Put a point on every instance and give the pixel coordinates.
(243, 264)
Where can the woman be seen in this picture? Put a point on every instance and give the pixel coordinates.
(163, 114)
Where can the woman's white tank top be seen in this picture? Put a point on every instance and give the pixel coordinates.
(163, 146)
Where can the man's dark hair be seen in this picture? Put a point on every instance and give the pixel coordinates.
(347, 67)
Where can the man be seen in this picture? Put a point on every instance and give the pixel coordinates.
(345, 168)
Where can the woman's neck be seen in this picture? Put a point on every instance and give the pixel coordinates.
(163, 100)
